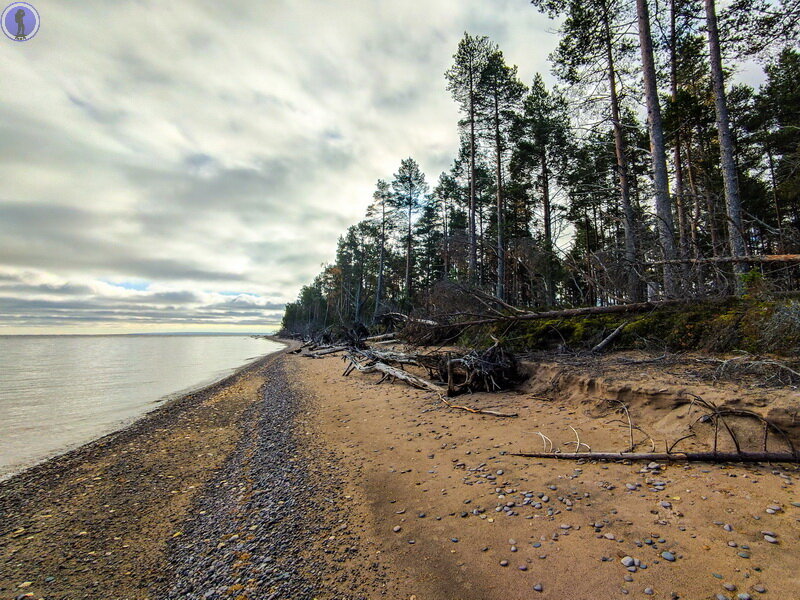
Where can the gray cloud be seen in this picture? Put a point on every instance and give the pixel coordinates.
(147, 143)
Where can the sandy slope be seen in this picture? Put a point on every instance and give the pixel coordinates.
(427, 470)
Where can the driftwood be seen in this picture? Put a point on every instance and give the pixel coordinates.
(381, 338)
(614, 334)
(491, 370)
(326, 351)
(389, 371)
(743, 457)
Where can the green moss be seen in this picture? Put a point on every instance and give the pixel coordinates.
(716, 326)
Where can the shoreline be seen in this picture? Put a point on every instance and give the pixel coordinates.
(288, 481)
(161, 403)
(106, 510)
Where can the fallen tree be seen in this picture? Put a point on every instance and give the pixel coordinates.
(742, 457)
(395, 373)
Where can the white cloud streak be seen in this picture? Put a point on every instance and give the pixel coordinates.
(215, 151)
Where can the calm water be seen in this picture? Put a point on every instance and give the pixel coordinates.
(58, 392)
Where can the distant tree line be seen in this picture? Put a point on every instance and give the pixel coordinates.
(567, 197)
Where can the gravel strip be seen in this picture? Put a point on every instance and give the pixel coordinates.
(264, 525)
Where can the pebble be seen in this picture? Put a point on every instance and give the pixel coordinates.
(503, 563)
(727, 527)
(396, 528)
(721, 597)
(744, 554)
(668, 556)
(523, 567)
(760, 589)
(729, 586)
(627, 561)
(649, 591)
(744, 596)
(770, 539)
(538, 587)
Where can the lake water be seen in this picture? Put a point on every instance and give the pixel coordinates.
(59, 392)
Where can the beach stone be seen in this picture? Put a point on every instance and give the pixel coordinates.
(668, 556)
(627, 561)
(729, 586)
(397, 528)
(628, 578)
(503, 563)
(744, 554)
(523, 567)
(760, 589)
(538, 587)
(727, 527)
(722, 597)
(630, 486)
(744, 596)
(666, 505)
(770, 539)
(649, 591)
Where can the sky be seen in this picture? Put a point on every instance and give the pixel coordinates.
(189, 165)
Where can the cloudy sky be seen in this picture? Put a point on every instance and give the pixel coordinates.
(190, 164)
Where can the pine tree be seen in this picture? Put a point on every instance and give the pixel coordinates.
(542, 139)
(500, 92)
(462, 82)
(591, 48)
(380, 212)
(409, 187)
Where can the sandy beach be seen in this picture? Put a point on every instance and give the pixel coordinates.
(287, 480)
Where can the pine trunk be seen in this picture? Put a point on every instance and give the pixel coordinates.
(501, 246)
(728, 164)
(548, 233)
(666, 229)
(634, 289)
(408, 257)
(379, 284)
(473, 242)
